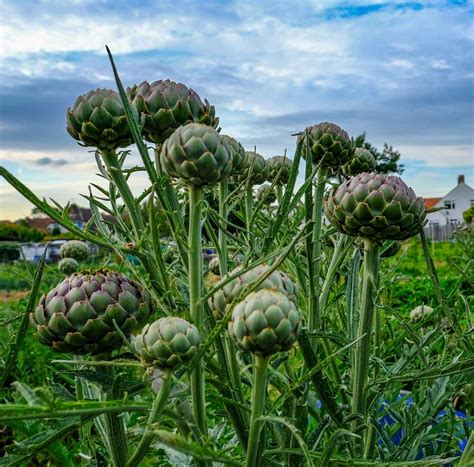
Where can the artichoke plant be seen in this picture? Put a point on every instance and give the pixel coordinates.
(167, 343)
(328, 141)
(277, 280)
(165, 105)
(376, 206)
(74, 249)
(265, 322)
(68, 265)
(98, 119)
(236, 151)
(266, 194)
(196, 154)
(77, 315)
(362, 161)
(278, 170)
(253, 169)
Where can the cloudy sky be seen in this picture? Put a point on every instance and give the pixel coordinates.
(400, 71)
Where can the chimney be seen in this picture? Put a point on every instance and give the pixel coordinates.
(460, 179)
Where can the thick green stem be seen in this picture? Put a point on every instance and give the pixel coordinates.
(258, 403)
(314, 317)
(378, 318)
(195, 292)
(364, 332)
(248, 214)
(155, 414)
(223, 257)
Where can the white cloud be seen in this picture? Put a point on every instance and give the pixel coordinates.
(439, 156)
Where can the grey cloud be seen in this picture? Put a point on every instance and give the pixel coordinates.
(44, 161)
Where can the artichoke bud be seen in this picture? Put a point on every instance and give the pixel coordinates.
(167, 343)
(196, 154)
(222, 299)
(98, 119)
(236, 151)
(165, 105)
(68, 266)
(420, 312)
(328, 141)
(362, 161)
(74, 249)
(265, 322)
(78, 315)
(278, 170)
(377, 207)
(253, 169)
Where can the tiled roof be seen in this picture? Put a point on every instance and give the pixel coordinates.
(430, 202)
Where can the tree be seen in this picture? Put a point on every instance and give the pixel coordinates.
(468, 215)
(387, 159)
(19, 233)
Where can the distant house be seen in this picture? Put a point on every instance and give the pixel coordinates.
(458, 200)
(80, 217)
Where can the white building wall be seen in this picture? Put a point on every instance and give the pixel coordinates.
(462, 196)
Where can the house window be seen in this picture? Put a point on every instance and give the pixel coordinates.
(434, 223)
(453, 221)
(472, 202)
(449, 204)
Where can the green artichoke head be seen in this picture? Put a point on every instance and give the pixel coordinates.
(362, 161)
(74, 249)
(222, 299)
(68, 266)
(266, 194)
(98, 119)
(253, 169)
(328, 141)
(278, 169)
(165, 105)
(376, 206)
(78, 315)
(236, 151)
(167, 343)
(196, 154)
(265, 322)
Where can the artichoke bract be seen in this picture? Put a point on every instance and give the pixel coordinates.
(74, 249)
(167, 343)
(236, 151)
(77, 315)
(278, 170)
(265, 322)
(362, 161)
(376, 206)
(165, 105)
(253, 169)
(277, 280)
(98, 119)
(196, 154)
(68, 265)
(266, 194)
(328, 141)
